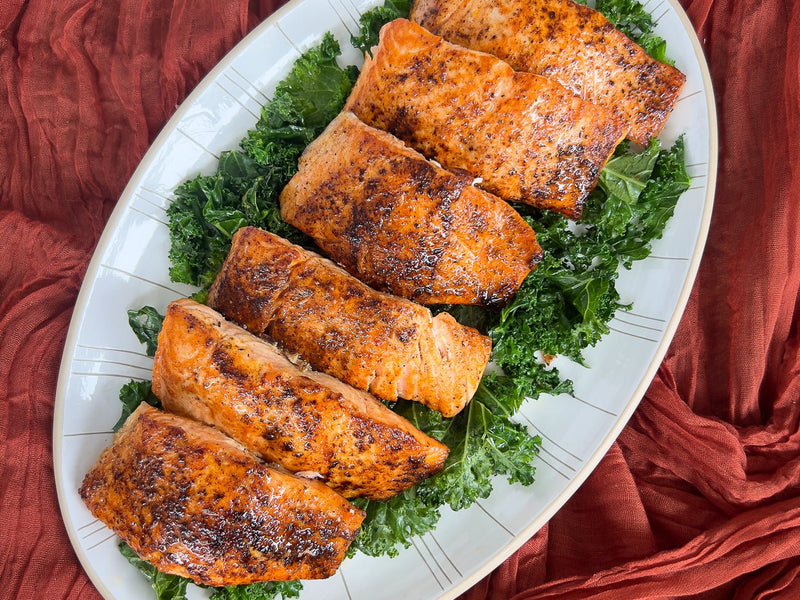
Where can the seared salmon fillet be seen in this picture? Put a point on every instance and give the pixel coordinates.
(529, 138)
(194, 503)
(404, 225)
(217, 373)
(569, 43)
(373, 341)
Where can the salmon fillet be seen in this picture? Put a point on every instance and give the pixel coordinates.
(529, 138)
(217, 373)
(569, 43)
(404, 225)
(386, 345)
(192, 502)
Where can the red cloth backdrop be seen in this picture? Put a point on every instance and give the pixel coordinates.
(700, 496)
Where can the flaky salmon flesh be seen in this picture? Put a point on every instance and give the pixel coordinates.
(529, 138)
(218, 373)
(404, 225)
(192, 502)
(566, 42)
(377, 342)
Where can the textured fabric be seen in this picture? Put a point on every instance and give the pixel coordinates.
(700, 496)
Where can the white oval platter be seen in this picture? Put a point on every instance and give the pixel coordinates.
(130, 269)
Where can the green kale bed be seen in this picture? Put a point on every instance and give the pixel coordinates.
(563, 307)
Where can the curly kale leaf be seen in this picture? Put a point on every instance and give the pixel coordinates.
(668, 181)
(146, 324)
(131, 395)
(209, 209)
(483, 443)
(302, 106)
(166, 587)
(317, 86)
(656, 47)
(370, 23)
(391, 525)
(631, 18)
(268, 590)
(626, 224)
(565, 304)
(626, 174)
(562, 306)
(244, 190)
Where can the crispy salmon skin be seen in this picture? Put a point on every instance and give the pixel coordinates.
(569, 43)
(384, 344)
(404, 225)
(194, 503)
(530, 139)
(218, 373)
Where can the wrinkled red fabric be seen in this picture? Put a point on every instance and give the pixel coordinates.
(699, 497)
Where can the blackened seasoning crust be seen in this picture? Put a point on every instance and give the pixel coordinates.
(215, 372)
(192, 502)
(569, 43)
(404, 225)
(383, 344)
(529, 138)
